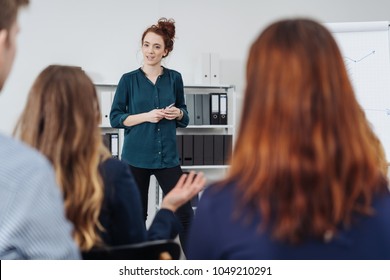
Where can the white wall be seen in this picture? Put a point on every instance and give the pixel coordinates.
(103, 36)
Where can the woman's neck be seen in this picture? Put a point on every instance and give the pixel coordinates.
(152, 71)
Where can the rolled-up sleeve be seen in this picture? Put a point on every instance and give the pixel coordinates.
(119, 111)
(180, 102)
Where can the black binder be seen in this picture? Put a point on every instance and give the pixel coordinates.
(179, 145)
(218, 149)
(208, 149)
(198, 149)
(115, 145)
(228, 148)
(111, 141)
(223, 109)
(188, 150)
(107, 140)
(214, 108)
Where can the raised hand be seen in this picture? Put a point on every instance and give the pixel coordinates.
(186, 188)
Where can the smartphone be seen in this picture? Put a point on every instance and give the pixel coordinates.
(169, 106)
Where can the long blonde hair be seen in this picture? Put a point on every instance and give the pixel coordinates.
(61, 120)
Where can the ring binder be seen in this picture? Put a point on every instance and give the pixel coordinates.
(223, 109)
(214, 108)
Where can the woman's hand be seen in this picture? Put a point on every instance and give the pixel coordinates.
(155, 115)
(172, 113)
(186, 188)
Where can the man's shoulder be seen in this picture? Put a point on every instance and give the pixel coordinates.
(17, 151)
(19, 161)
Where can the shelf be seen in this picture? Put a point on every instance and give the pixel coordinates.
(204, 167)
(108, 84)
(206, 126)
(106, 127)
(209, 86)
(105, 84)
(221, 131)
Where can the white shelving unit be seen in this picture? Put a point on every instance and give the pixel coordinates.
(212, 172)
(228, 129)
(106, 94)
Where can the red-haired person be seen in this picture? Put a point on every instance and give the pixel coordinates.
(142, 107)
(307, 177)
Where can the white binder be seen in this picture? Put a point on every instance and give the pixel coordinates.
(105, 107)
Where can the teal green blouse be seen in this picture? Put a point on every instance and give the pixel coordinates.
(149, 145)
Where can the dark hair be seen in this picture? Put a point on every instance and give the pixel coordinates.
(166, 29)
(306, 157)
(8, 12)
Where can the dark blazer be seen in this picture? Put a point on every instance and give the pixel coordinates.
(220, 231)
(121, 214)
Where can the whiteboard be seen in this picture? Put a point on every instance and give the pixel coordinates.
(365, 49)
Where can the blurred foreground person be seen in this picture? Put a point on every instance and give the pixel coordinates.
(307, 177)
(32, 220)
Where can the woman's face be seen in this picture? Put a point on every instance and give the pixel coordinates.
(153, 49)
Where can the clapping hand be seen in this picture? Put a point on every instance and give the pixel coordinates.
(186, 188)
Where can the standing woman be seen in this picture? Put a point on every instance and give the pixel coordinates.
(142, 107)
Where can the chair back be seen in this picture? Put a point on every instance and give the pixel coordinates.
(148, 250)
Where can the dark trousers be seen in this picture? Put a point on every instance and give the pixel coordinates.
(167, 179)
